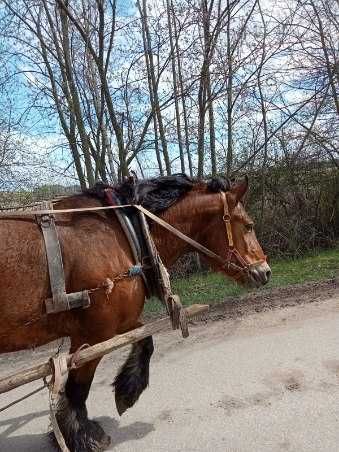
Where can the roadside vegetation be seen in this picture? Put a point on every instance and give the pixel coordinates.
(212, 288)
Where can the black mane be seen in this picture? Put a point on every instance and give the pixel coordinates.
(159, 193)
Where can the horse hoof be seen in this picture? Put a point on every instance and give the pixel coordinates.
(105, 442)
(94, 438)
(90, 438)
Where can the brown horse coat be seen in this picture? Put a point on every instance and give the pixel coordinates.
(94, 248)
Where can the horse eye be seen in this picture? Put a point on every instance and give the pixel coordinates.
(249, 227)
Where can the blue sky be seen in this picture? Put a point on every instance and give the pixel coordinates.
(126, 8)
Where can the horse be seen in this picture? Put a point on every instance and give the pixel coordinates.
(94, 248)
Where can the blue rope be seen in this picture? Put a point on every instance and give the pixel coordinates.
(136, 270)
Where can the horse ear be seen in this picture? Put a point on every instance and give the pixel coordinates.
(133, 177)
(239, 189)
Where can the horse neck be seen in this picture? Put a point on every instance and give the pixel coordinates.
(190, 216)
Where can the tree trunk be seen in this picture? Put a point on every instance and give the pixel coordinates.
(175, 86)
(182, 95)
(148, 50)
(229, 156)
(212, 127)
(75, 98)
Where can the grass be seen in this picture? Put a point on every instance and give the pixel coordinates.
(213, 287)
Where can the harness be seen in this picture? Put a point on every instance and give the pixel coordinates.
(148, 264)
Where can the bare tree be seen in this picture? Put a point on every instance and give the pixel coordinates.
(153, 83)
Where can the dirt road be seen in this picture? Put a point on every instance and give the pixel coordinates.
(252, 381)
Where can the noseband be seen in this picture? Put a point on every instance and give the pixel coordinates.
(240, 266)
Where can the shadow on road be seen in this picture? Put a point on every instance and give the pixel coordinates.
(21, 443)
(40, 442)
(119, 435)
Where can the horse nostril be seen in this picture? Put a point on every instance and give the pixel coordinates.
(268, 275)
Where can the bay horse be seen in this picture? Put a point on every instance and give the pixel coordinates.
(94, 247)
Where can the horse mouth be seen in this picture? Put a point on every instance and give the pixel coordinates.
(258, 276)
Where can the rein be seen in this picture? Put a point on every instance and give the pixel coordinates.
(233, 254)
(241, 267)
(26, 213)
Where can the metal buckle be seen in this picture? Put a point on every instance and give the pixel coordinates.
(44, 220)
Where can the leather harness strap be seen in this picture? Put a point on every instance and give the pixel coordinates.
(138, 240)
(60, 300)
(240, 267)
(154, 273)
(182, 236)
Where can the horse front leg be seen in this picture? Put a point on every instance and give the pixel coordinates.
(133, 376)
(80, 433)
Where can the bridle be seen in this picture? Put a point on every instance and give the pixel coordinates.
(240, 266)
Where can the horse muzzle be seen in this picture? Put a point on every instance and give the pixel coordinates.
(259, 275)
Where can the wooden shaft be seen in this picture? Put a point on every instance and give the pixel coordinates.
(25, 376)
(95, 351)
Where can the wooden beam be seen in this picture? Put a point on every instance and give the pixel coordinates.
(96, 351)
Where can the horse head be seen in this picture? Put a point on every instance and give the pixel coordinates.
(213, 214)
(230, 233)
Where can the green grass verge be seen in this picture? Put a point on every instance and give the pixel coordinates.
(213, 287)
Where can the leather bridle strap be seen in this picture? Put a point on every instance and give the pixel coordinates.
(224, 263)
(232, 251)
(227, 220)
